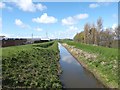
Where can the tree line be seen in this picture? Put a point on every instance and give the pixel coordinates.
(97, 35)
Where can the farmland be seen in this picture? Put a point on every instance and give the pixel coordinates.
(104, 66)
(31, 66)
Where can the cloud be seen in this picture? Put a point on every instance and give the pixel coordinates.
(69, 32)
(38, 29)
(81, 16)
(114, 26)
(72, 29)
(2, 5)
(74, 19)
(94, 5)
(6, 34)
(45, 19)
(40, 7)
(28, 5)
(2, 34)
(19, 23)
(68, 21)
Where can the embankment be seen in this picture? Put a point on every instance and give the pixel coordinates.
(103, 65)
(31, 66)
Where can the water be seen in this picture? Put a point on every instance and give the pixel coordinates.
(74, 75)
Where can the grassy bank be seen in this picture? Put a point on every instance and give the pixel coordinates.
(31, 66)
(105, 66)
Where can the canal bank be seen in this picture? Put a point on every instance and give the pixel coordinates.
(73, 74)
(82, 57)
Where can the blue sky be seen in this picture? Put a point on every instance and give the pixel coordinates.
(57, 19)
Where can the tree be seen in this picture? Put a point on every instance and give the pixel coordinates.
(99, 29)
(117, 32)
(96, 35)
(108, 37)
(79, 37)
(76, 37)
(86, 33)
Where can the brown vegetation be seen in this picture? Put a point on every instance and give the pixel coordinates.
(97, 35)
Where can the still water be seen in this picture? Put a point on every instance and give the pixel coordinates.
(74, 75)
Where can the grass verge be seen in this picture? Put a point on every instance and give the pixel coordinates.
(31, 66)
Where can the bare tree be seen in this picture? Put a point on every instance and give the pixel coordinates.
(86, 33)
(93, 34)
(96, 35)
(117, 32)
(108, 37)
(99, 29)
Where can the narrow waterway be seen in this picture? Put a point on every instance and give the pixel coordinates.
(74, 75)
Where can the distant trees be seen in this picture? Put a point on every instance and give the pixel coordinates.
(97, 35)
(107, 37)
(93, 35)
(99, 29)
(79, 37)
(86, 33)
(117, 32)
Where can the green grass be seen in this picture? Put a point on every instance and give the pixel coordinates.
(109, 56)
(9, 51)
(31, 66)
(44, 45)
(104, 51)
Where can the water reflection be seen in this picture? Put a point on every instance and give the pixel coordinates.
(74, 75)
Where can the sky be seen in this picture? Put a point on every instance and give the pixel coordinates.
(55, 20)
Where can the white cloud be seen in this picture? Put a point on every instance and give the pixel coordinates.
(38, 29)
(81, 16)
(94, 5)
(19, 23)
(72, 29)
(69, 32)
(2, 5)
(40, 7)
(114, 26)
(45, 19)
(6, 34)
(28, 5)
(68, 21)
(74, 19)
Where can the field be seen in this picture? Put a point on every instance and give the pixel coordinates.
(31, 66)
(105, 65)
